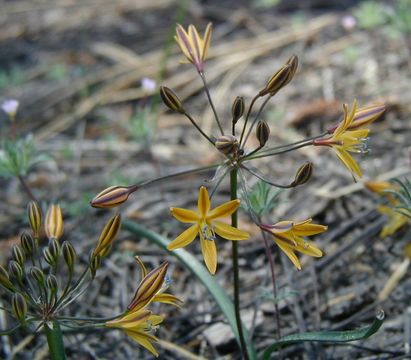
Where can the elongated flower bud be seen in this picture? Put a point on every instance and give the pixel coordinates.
(38, 275)
(48, 257)
(28, 244)
(363, 117)
(149, 287)
(108, 234)
(15, 270)
(112, 196)
(227, 144)
(281, 78)
(262, 132)
(170, 99)
(54, 222)
(237, 109)
(34, 215)
(52, 283)
(18, 255)
(94, 264)
(69, 255)
(303, 174)
(5, 279)
(19, 307)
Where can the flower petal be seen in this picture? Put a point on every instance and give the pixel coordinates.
(348, 161)
(289, 252)
(203, 201)
(230, 233)
(308, 229)
(144, 339)
(210, 254)
(185, 215)
(308, 248)
(206, 41)
(224, 210)
(185, 238)
(280, 227)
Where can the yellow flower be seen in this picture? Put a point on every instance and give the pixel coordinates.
(193, 46)
(205, 225)
(289, 237)
(139, 325)
(396, 220)
(344, 141)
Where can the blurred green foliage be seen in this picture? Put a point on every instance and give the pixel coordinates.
(262, 199)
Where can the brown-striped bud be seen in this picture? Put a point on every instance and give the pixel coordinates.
(227, 144)
(108, 234)
(303, 174)
(112, 196)
(15, 270)
(281, 78)
(94, 264)
(237, 109)
(5, 279)
(27, 243)
(38, 275)
(262, 132)
(52, 283)
(34, 215)
(54, 248)
(49, 259)
(149, 287)
(170, 99)
(363, 117)
(54, 222)
(17, 254)
(19, 307)
(69, 255)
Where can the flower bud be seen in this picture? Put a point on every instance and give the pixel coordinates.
(34, 216)
(363, 116)
(48, 257)
(38, 275)
(227, 144)
(262, 132)
(5, 279)
(15, 270)
(303, 174)
(52, 283)
(54, 222)
(281, 78)
(237, 109)
(95, 263)
(18, 255)
(54, 248)
(19, 307)
(108, 234)
(112, 196)
(69, 255)
(27, 243)
(149, 287)
(170, 99)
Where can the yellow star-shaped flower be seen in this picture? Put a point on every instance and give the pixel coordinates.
(288, 235)
(344, 140)
(206, 226)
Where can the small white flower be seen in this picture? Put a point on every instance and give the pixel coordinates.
(148, 85)
(10, 107)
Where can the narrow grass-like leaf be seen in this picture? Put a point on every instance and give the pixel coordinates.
(327, 336)
(216, 291)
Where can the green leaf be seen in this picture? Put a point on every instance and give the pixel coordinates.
(216, 291)
(327, 336)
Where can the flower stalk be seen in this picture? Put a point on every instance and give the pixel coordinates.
(55, 340)
(236, 278)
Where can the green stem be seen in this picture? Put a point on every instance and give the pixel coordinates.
(207, 91)
(234, 223)
(55, 340)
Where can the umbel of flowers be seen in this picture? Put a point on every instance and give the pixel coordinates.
(347, 138)
(41, 281)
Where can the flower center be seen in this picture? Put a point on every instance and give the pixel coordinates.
(207, 232)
